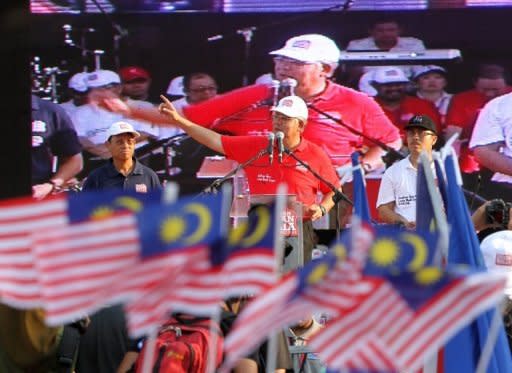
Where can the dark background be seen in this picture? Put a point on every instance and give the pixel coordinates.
(173, 44)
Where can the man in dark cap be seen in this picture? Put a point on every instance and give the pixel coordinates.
(396, 202)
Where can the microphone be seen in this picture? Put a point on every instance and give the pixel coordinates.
(288, 87)
(275, 85)
(67, 35)
(270, 148)
(280, 145)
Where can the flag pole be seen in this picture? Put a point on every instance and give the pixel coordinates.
(441, 222)
(169, 195)
(492, 338)
(149, 351)
(281, 202)
(215, 317)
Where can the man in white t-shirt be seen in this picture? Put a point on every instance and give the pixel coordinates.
(77, 86)
(92, 122)
(384, 36)
(396, 202)
(491, 142)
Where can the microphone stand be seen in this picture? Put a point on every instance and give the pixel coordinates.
(248, 32)
(212, 188)
(338, 196)
(392, 155)
(396, 154)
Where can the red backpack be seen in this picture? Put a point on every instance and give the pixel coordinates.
(182, 346)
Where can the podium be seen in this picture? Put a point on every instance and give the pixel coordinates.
(291, 226)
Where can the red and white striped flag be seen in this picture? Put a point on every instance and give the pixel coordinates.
(385, 333)
(76, 262)
(19, 218)
(290, 301)
(244, 263)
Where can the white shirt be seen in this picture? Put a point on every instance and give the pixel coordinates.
(91, 123)
(442, 103)
(398, 185)
(69, 107)
(494, 124)
(403, 44)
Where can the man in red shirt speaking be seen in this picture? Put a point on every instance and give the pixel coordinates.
(266, 173)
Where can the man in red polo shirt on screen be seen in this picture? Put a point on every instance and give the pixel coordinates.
(310, 60)
(264, 175)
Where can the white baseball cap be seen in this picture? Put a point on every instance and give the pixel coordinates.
(78, 82)
(175, 87)
(310, 48)
(497, 252)
(422, 70)
(389, 74)
(101, 78)
(118, 128)
(293, 107)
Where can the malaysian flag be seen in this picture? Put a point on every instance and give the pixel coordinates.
(463, 351)
(314, 288)
(361, 206)
(406, 318)
(243, 263)
(84, 266)
(22, 217)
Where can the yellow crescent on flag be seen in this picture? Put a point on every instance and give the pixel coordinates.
(262, 227)
(129, 203)
(205, 223)
(420, 250)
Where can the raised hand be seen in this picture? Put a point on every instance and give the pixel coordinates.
(167, 108)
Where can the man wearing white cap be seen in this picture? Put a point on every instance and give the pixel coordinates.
(310, 60)
(122, 170)
(78, 91)
(92, 122)
(391, 85)
(431, 83)
(265, 174)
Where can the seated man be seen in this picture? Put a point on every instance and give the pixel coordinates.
(396, 202)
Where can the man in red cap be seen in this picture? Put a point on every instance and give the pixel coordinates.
(135, 82)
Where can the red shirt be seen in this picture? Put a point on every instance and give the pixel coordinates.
(355, 108)
(464, 109)
(463, 112)
(264, 178)
(409, 107)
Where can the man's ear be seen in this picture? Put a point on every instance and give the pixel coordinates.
(328, 69)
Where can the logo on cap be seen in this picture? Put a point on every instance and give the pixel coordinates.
(304, 44)
(92, 76)
(124, 126)
(391, 73)
(417, 119)
(287, 103)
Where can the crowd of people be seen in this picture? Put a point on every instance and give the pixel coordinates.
(95, 137)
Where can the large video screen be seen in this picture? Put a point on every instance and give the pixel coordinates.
(236, 6)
